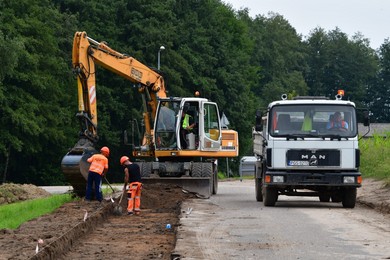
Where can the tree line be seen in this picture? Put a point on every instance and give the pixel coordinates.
(238, 61)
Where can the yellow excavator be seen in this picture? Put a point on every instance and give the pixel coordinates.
(167, 152)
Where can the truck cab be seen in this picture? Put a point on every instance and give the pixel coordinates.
(307, 146)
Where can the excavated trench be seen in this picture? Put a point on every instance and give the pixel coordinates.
(82, 230)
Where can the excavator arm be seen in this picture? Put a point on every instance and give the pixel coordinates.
(88, 52)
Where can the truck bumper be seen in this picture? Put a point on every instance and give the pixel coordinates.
(310, 179)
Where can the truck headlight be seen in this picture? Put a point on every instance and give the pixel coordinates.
(349, 179)
(277, 178)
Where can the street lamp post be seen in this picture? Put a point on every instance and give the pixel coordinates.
(158, 56)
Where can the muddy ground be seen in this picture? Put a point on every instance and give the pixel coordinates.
(102, 235)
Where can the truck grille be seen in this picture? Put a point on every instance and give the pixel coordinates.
(313, 157)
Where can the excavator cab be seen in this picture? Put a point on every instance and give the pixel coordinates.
(204, 133)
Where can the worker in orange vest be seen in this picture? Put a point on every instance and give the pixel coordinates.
(97, 169)
(133, 178)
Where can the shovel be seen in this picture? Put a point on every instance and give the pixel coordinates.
(118, 208)
(113, 191)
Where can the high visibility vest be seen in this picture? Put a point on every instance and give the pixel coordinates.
(99, 162)
(186, 121)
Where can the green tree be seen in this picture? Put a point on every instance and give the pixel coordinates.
(337, 62)
(34, 107)
(378, 94)
(282, 56)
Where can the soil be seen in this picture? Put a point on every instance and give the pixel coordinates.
(375, 194)
(65, 235)
(10, 193)
(103, 235)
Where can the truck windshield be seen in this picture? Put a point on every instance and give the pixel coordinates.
(305, 121)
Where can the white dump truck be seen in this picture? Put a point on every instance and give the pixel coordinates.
(308, 146)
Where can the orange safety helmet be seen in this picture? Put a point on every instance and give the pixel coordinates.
(123, 159)
(105, 150)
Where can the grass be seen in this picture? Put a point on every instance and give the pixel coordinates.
(15, 214)
(374, 159)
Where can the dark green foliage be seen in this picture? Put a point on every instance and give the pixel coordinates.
(242, 63)
(337, 62)
(378, 97)
(34, 106)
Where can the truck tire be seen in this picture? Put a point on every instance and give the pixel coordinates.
(324, 198)
(258, 188)
(270, 196)
(349, 198)
(336, 197)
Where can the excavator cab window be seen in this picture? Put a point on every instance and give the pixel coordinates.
(166, 125)
(211, 127)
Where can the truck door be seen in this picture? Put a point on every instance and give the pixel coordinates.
(211, 128)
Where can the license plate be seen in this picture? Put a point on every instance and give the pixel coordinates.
(298, 163)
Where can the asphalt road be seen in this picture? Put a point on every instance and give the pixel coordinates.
(233, 225)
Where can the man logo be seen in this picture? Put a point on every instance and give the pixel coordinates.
(313, 158)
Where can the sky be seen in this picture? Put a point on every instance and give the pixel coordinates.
(370, 18)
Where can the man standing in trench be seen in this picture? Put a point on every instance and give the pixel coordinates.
(133, 178)
(97, 169)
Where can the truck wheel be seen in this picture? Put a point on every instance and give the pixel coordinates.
(349, 198)
(336, 198)
(324, 198)
(258, 185)
(270, 196)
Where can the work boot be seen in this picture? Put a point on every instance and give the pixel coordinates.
(130, 213)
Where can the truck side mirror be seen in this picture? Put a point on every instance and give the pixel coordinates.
(366, 121)
(259, 125)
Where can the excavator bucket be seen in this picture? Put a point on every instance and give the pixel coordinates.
(200, 186)
(75, 167)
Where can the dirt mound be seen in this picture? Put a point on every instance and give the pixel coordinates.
(10, 193)
(102, 235)
(375, 194)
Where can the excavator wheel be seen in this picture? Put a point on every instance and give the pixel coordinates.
(146, 169)
(196, 169)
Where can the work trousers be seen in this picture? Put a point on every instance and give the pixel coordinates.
(134, 197)
(96, 178)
